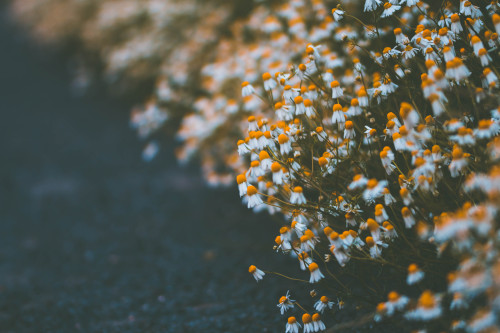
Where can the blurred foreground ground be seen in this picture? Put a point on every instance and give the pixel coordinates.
(92, 239)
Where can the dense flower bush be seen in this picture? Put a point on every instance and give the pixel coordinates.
(372, 128)
(133, 43)
(379, 145)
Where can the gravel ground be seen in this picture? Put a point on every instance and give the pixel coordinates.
(95, 240)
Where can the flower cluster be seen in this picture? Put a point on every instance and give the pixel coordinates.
(133, 44)
(378, 144)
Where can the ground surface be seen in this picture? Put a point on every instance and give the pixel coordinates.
(94, 240)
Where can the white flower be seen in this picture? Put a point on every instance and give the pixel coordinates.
(318, 324)
(257, 273)
(374, 190)
(269, 82)
(389, 9)
(322, 304)
(349, 132)
(337, 14)
(337, 91)
(297, 197)
(253, 196)
(292, 326)
(247, 89)
(338, 116)
(278, 175)
(316, 274)
(371, 5)
(415, 275)
(428, 308)
(285, 144)
(396, 302)
(285, 303)
(242, 184)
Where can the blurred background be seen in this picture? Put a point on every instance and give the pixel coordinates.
(93, 238)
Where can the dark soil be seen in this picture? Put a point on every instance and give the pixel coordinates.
(95, 240)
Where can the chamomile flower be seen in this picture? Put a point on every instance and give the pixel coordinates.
(491, 79)
(381, 312)
(278, 174)
(308, 324)
(363, 98)
(396, 302)
(338, 116)
(255, 170)
(387, 157)
(316, 274)
(257, 273)
(409, 3)
(304, 260)
(337, 91)
(282, 244)
(337, 14)
(477, 45)
(349, 132)
(374, 229)
(297, 197)
(487, 129)
(359, 181)
(283, 111)
(247, 89)
(285, 234)
(436, 104)
(406, 196)
(241, 179)
(374, 190)
(456, 25)
(415, 275)
(389, 9)
(496, 21)
(285, 144)
(269, 82)
(400, 37)
(327, 76)
(253, 196)
(375, 247)
(390, 232)
(285, 303)
(428, 308)
(371, 5)
(355, 109)
(468, 9)
(409, 115)
(299, 228)
(309, 108)
(340, 254)
(409, 52)
(399, 71)
(243, 147)
(484, 57)
(318, 324)
(407, 217)
(323, 303)
(292, 326)
(312, 93)
(350, 220)
(458, 163)
(299, 105)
